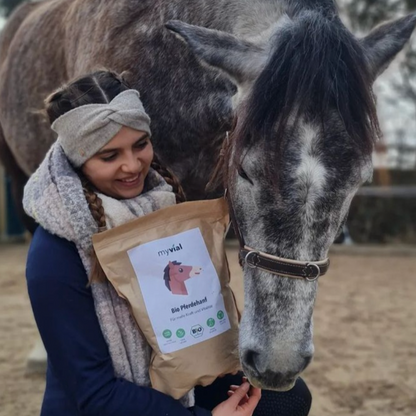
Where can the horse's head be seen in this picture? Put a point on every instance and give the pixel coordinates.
(180, 272)
(300, 150)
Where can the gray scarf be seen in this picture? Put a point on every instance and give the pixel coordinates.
(54, 198)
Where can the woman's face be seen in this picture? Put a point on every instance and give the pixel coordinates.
(121, 166)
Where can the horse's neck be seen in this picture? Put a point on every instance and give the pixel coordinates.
(178, 288)
(256, 20)
(253, 17)
(244, 18)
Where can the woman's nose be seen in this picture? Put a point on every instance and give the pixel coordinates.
(131, 164)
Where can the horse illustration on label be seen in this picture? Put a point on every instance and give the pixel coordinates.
(175, 275)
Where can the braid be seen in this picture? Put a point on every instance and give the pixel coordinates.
(97, 211)
(170, 178)
(96, 207)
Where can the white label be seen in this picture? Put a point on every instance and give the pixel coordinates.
(181, 290)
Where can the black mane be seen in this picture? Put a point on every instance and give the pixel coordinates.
(317, 66)
(166, 274)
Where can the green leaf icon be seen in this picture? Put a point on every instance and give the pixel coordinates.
(220, 315)
(211, 322)
(167, 333)
(180, 333)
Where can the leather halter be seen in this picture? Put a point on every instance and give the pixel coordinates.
(255, 259)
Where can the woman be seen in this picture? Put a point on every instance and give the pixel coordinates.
(100, 173)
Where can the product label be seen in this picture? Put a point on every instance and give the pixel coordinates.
(181, 290)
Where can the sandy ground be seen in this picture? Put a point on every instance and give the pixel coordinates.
(365, 337)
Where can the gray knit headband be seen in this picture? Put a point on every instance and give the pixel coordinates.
(83, 131)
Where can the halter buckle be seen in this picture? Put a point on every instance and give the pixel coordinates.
(254, 263)
(309, 271)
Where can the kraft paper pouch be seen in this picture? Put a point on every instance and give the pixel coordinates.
(171, 268)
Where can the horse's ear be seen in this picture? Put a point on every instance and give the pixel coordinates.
(386, 41)
(170, 264)
(240, 60)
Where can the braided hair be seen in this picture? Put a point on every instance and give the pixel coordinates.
(95, 205)
(99, 87)
(170, 178)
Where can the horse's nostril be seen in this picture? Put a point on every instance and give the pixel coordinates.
(250, 358)
(307, 359)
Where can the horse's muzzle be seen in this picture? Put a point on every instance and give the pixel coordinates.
(265, 373)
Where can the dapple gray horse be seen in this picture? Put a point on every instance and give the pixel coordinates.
(298, 86)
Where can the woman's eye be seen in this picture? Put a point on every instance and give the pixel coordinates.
(244, 175)
(109, 158)
(141, 145)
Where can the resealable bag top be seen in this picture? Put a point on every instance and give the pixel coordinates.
(171, 268)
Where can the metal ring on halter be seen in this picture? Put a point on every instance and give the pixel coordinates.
(254, 264)
(318, 272)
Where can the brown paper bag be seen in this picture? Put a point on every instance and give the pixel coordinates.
(171, 268)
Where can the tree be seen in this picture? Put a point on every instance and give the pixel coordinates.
(396, 89)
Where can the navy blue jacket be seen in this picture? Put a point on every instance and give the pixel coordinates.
(80, 377)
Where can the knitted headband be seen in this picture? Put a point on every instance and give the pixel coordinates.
(83, 131)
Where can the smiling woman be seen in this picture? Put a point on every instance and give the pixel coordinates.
(119, 169)
(101, 173)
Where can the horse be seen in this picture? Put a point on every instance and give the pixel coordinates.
(175, 275)
(286, 76)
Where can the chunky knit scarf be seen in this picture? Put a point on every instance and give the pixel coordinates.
(54, 198)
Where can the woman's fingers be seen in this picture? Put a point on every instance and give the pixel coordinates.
(254, 396)
(239, 394)
(242, 401)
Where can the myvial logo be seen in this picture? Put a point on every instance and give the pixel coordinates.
(170, 250)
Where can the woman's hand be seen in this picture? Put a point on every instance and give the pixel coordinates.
(242, 402)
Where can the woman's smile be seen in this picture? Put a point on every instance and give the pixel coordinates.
(130, 182)
(120, 168)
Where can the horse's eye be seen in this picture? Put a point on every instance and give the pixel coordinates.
(180, 270)
(244, 175)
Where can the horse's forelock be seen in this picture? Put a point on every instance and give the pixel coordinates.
(317, 66)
